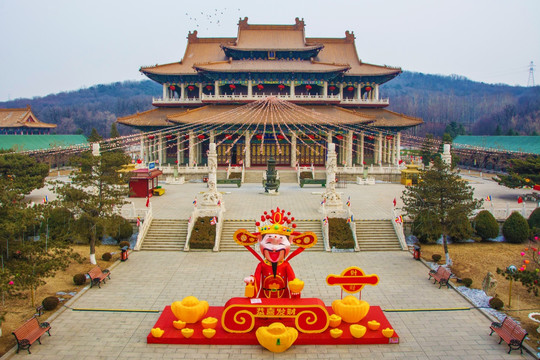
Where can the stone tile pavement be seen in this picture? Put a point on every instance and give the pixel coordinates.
(152, 280)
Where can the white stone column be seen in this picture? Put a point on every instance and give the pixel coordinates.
(200, 85)
(216, 88)
(329, 138)
(293, 148)
(160, 148)
(385, 150)
(333, 204)
(341, 91)
(165, 87)
(292, 88)
(247, 154)
(191, 148)
(250, 88)
(349, 157)
(325, 89)
(182, 91)
(357, 92)
(141, 156)
(178, 148)
(362, 140)
(398, 147)
(376, 89)
(379, 146)
(212, 136)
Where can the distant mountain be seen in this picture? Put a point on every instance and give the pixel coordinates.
(482, 109)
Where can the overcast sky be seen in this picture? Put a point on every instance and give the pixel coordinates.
(61, 45)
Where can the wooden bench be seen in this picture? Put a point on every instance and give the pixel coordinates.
(238, 182)
(29, 332)
(510, 332)
(97, 276)
(442, 275)
(313, 181)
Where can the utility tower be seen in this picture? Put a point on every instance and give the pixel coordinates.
(530, 82)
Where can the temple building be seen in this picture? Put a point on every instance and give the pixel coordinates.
(22, 122)
(271, 92)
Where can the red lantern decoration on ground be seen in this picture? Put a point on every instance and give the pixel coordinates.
(139, 161)
(172, 87)
(191, 87)
(308, 87)
(259, 136)
(201, 137)
(368, 88)
(281, 86)
(209, 87)
(260, 86)
(350, 88)
(232, 86)
(332, 88)
(339, 137)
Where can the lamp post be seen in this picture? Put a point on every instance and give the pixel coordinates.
(511, 270)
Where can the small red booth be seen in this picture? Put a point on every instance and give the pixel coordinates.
(143, 182)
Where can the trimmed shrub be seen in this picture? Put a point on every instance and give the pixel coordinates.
(203, 234)
(106, 256)
(119, 228)
(50, 303)
(436, 258)
(79, 279)
(467, 282)
(124, 244)
(340, 234)
(496, 303)
(485, 225)
(534, 220)
(515, 229)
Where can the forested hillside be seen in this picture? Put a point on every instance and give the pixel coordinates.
(482, 109)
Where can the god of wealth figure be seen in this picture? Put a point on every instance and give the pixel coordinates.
(273, 273)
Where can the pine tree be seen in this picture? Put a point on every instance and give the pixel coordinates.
(442, 196)
(94, 136)
(522, 172)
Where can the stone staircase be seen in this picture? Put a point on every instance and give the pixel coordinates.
(166, 235)
(227, 242)
(376, 235)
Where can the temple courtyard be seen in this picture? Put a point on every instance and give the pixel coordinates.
(149, 281)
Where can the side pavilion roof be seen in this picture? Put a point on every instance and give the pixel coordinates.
(16, 118)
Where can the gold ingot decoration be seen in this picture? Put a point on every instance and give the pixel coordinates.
(351, 309)
(276, 337)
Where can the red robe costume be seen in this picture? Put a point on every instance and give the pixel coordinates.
(268, 286)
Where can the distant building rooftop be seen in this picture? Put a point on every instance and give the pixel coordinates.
(524, 144)
(39, 142)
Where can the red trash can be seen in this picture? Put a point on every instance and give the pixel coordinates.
(416, 252)
(124, 254)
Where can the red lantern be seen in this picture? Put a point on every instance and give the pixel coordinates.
(281, 137)
(232, 86)
(228, 136)
(200, 137)
(169, 137)
(209, 87)
(370, 137)
(260, 86)
(332, 88)
(350, 88)
(172, 87)
(259, 136)
(281, 86)
(151, 137)
(187, 136)
(308, 87)
(311, 136)
(191, 87)
(354, 137)
(339, 137)
(389, 137)
(368, 88)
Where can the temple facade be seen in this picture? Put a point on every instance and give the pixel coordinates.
(22, 122)
(270, 92)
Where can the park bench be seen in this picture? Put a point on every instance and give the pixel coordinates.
(97, 276)
(510, 332)
(237, 182)
(313, 181)
(29, 332)
(442, 275)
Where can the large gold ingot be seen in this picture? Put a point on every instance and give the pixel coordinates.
(276, 337)
(190, 309)
(296, 285)
(351, 309)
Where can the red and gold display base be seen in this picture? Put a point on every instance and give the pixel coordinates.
(222, 337)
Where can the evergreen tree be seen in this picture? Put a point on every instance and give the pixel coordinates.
(443, 197)
(522, 172)
(114, 131)
(94, 136)
(428, 149)
(94, 193)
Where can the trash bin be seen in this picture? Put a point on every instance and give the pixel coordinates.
(416, 252)
(124, 254)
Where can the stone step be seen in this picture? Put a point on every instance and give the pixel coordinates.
(166, 235)
(377, 235)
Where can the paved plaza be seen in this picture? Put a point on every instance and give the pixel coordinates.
(153, 280)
